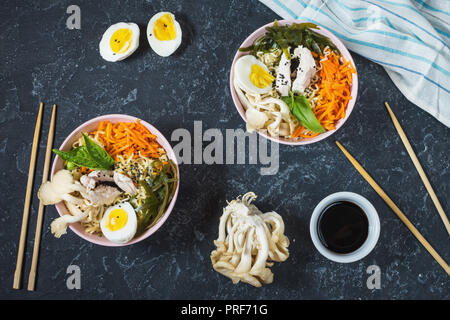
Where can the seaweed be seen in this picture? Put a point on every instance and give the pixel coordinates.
(282, 37)
(159, 189)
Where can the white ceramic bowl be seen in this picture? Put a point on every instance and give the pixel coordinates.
(91, 125)
(372, 237)
(338, 43)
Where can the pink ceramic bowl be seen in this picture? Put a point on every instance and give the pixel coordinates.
(91, 125)
(354, 89)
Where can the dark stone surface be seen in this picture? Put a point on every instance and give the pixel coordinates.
(41, 60)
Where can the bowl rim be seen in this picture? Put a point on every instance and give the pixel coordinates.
(372, 236)
(345, 53)
(62, 209)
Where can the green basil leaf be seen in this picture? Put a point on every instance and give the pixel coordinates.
(299, 106)
(91, 156)
(98, 154)
(80, 157)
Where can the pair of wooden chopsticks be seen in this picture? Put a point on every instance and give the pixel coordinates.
(392, 205)
(26, 209)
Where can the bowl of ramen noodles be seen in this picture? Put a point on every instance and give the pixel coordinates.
(293, 82)
(114, 181)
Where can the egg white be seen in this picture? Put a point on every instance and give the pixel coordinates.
(164, 48)
(242, 70)
(105, 48)
(128, 231)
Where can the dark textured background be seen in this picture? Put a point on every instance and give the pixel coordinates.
(41, 60)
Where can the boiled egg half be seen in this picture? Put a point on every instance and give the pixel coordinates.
(252, 75)
(164, 33)
(119, 223)
(119, 41)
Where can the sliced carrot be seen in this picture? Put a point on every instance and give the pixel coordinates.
(334, 93)
(127, 139)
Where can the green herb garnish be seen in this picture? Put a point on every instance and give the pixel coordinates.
(98, 153)
(300, 108)
(91, 156)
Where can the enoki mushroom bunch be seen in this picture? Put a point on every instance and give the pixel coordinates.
(249, 242)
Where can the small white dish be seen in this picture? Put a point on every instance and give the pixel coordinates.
(373, 232)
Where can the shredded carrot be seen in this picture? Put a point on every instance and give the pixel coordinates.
(300, 132)
(85, 170)
(334, 93)
(128, 139)
(334, 90)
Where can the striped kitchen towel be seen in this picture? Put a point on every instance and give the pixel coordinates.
(409, 38)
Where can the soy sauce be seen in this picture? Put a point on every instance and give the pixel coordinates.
(343, 227)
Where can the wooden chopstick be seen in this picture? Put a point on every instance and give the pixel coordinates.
(419, 168)
(396, 210)
(26, 208)
(37, 237)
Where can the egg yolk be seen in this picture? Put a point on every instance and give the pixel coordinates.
(117, 219)
(120, 40)
(260, 77)
(164, 28)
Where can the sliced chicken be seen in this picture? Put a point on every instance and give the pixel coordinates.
(305, 70)
(125, 183)
(102, 194)
(283, 81)
(102, 175)
(90, 181)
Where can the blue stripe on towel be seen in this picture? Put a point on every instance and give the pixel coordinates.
(411, 22)
(366, 18)
(442, 32)
(373, 45)
(282, 6)
(410, 70)
(340, 4)
(377, 61)
(409, 39)
(427, 6)
(302, 3)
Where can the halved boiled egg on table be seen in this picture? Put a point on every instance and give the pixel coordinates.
(119, 41)
(164, 33)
